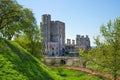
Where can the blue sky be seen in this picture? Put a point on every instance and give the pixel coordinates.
(82, 17)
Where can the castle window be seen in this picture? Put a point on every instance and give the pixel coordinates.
(52, 48)
(51, 38)
(53, 54)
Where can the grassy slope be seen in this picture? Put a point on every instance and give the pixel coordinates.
(73, 74)
(17, 64)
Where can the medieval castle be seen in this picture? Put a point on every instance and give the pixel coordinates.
(53, 33)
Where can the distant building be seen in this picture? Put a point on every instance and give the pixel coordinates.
(53, 33)
(81, 43)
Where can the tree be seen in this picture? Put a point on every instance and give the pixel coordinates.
(106, 55)
(33, 34)
(20, 24)
(14, 19)
(10, 14)
(31, 41)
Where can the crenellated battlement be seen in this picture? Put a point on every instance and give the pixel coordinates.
(53, 33)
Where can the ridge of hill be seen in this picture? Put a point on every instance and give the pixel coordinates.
(17, 64)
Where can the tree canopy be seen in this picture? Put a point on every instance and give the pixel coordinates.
(106, 55)
(19, 23)
(14, 18)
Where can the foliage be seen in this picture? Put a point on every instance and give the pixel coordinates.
(31, 41)
(23, 41)
(19, 23)
(73, 74)
(17, 64)
(107, 53)
(14, 19)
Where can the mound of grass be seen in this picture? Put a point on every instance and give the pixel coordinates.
(73, 74)
(17, 64)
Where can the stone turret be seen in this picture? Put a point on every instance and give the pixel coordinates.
(53, 33)
(73, 42)
(77, 40)
(68, 41)
(45, 27)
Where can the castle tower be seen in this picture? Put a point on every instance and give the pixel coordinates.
(45, 28)
(53, 33)
(78, 40)
(73, 42)
(68, 41)
(87, 42)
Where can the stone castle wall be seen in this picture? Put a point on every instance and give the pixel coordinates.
(81, 43)
(53, 33)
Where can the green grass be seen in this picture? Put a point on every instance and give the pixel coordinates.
(17, 64)
(73, 74)
(97, 68)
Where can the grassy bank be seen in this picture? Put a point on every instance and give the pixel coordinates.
(17, 64)
(73, 74)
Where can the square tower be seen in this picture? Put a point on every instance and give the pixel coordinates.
(53, 33)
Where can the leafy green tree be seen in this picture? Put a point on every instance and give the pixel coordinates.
(23, 41)
(10, 12)
(31, 41)
(14, 19)
(33, 34)
(10, 15)
(106, 55)
(20, 24)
